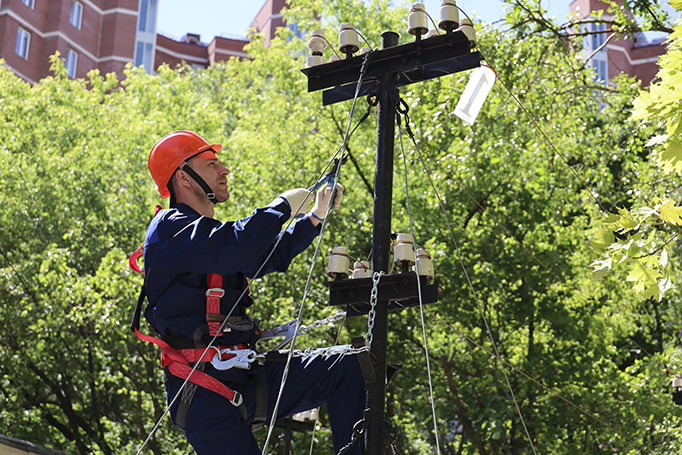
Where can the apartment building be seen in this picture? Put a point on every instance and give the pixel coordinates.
(620, 55)
(98, 34)
(108, 34)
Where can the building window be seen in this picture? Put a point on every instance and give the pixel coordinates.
(71, 62)
(600, 67)
(146, 21)
(23, 43)
(30, 3)
(144, 54)
(76, 16)
(599, 60)
(599, 30)
(145, 41)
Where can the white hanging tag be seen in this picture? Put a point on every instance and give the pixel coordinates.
(475, 94)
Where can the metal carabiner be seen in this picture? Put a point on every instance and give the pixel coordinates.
(242, 359)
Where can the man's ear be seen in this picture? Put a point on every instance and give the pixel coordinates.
(182, 178)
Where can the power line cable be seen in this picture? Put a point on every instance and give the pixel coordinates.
(532, 379)
(537, 126)
(442, 205)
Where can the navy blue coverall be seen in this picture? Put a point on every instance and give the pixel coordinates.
(181, 247)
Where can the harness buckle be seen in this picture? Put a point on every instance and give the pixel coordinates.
(215, 292)
(237, 399)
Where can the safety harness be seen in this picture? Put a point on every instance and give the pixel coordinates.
(177, 357)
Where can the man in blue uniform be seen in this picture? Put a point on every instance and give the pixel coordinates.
(196, 270)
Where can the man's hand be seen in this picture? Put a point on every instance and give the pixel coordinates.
(298, 199)
(319, 211)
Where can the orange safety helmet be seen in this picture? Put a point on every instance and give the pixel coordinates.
(171, 151)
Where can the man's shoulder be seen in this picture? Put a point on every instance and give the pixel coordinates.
(168, 221)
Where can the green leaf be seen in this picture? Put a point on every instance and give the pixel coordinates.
(601, 267)
(602, 238)
(645, 279)
(671, 157)
(670, 213)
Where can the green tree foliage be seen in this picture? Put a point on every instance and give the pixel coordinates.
(76, 199)
(642, 237)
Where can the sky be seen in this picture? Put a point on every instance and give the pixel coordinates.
(211, 18)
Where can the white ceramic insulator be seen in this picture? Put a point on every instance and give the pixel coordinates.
(468, 28)
(403, 251)
(314, 60)
(334, 58)
(364, 50)
(348, 39)
(361, 269)
(338, 263)
(448, 16)
(432, 32)
(317, 44)
(417, 21)
(677, 382)
(424, 264)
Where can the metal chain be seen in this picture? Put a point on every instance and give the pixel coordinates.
(358, 429)
(342, 350)
(391, 436)
(317, 324)
(373, 302)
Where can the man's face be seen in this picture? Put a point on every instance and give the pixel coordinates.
(209, 167)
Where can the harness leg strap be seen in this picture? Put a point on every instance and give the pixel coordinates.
(366, 366)
(260, 412)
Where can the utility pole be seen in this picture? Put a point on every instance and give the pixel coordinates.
(388, 68)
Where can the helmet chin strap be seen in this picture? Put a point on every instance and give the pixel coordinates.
(197, 178)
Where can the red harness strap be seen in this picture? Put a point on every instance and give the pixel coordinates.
(178, 361)
(179, 366)
(213, 295)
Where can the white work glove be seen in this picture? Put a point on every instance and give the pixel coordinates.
(299, 199)
(322, 200)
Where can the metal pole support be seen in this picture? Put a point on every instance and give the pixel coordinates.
(381, 246)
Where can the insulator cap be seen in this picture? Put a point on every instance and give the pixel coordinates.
(361, 269)
(424, 264)
(448, 16)
(417, 21)
(348, 39)
(334, 58)
(314, 60)
(364, 50)
(432, 32)
(677, 382)
(403, 251)
(317, 44)
(338, 263)
(468, 28)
